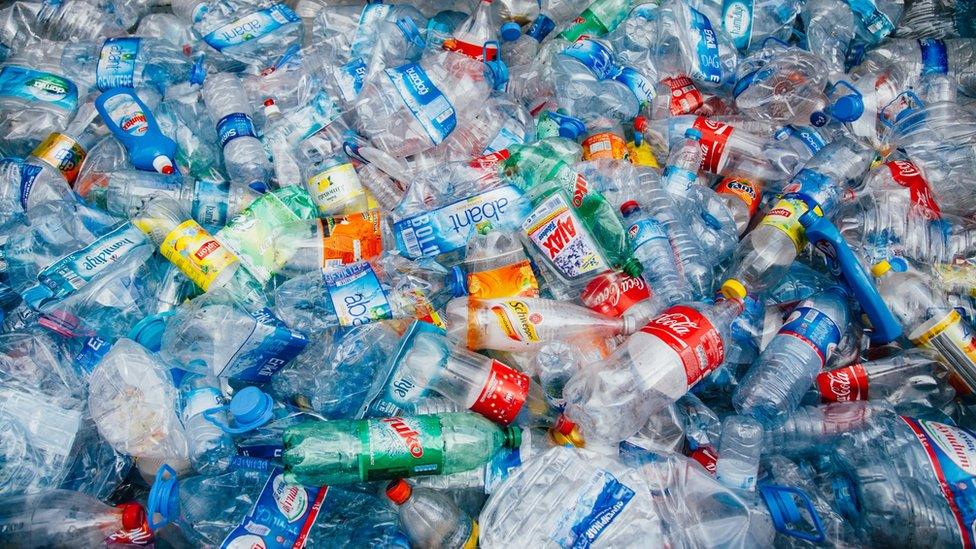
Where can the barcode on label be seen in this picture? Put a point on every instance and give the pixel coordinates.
(410, 241)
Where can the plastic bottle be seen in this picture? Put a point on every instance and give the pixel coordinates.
(331, 179)
(654, 250)
(127, 192)
(431, 519)
(598, 19)
(742, 197)
(782, 85)
(471, 36)
(681, 170)
(496, 266)
(244, 157)
(651, 369)
(829, 27)
(739, 450)
(132, 123)
(54, 518)
(128, 62)
(208, 445)
(775, 384)
(924, 18)
(908, 376)
(332, 452)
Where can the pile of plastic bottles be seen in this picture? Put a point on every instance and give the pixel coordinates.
(497, 273)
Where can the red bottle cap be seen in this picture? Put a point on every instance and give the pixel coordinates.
(398, 491)
(133, 516)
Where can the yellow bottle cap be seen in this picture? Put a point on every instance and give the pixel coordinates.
(880, 268)
(733, 289)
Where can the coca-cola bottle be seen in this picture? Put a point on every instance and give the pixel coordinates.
(913, 376)
(617, 294)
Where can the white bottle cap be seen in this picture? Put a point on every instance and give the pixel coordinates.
(163, 165)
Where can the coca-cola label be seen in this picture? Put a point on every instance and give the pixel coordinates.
(685, 97)
(843, 384)
(706, 457)
(714, 136)
(612, 293)
(907, 175)
(692, 336)
(503, 395)
(398, 447)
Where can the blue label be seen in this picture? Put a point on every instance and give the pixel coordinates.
(28, 174)
(500, 466)
(350, 78)
(646, 230)
(38, 87)
(449, 228)
(639, 85)
(808, 136)
(357, 295)
(427, 103)
(281, 518)
(871, 18)
(407, 382)
(952, 455)
(250, 27)
(92, 351)
(364, 39)
(935, 60)
(707, 65)
(737, 21)
(541, 28)
(263, 451)
(210, 202)
(117, 63)
(593, 515)
(234, 125)
(504, 139)
(75, 270)
(813, 328)
(816, 186)
(597, 57)
(259, 359)
(242, 463)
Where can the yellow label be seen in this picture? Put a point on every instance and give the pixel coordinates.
(62, 153)
(197, 253)
(472, 542)
(642, 155)
(514, 319)
(515, 280)
(335, 188)
(785, 217)
(923, 339)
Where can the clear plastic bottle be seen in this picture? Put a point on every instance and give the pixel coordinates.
(496, 266)
(739, 450)
(126, 62)
(127, 192)
(65, 518)
(431, 519)
(684, 161)
(906, 377)
(782, 85)
(244, 157)
(776, 383)
(471, 36)
(210, 447)
(653, 248)
(936, 19)
(742, 197)
(331, 179)
(829, 28)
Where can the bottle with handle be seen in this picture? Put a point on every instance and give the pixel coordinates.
(133, 124)
(432, 519)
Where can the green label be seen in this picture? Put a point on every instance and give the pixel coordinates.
(398, 447)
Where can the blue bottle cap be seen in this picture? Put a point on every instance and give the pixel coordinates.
(693, 133)
(148, 332)
(251, 408)
(511, 31)
(459, 286)
(571, 127)
(848, 108)
(164, 498)
(818, 119)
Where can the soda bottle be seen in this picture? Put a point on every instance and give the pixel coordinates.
(598, 19)
(471, 36)
(742, 197)
(496, 266)
(614, 293)
(908, 376)
(335, 452)
(430, 518)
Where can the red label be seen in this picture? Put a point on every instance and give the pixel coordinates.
(489, 160)
(743, 189)
(685, 97)
(843, 384)
(692, 336)
(714, 137)
(580, 190)
(612, 293)
(207, 248)
(503, 395)
(908, 175)
(564, 233)
(706, 456)
(474, 51)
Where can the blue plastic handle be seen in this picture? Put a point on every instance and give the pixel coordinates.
(781, 501)
(163, 496)
(823, 234)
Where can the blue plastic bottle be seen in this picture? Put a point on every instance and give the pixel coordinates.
(133, 124)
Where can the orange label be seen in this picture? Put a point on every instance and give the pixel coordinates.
(515, 280)
(743, 189)
(604, 145)
(62, 153)
(351, 238)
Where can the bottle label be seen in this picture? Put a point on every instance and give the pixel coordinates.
(641, 155)
(638, 84)
(268, 347)
(813, 328)
(428, 104)
(737, 22)
(75, 270)
(234, 125)
(706, 65)
(350, 238)
(474, 51)
(62, 153)
(692, 337)
(28, 174)
(613, 293)
(281, 518)
(210, 199)
(706, 457)
(562, 239)
(952, 454)
(585, 25)
(714, 137)
(541, 27)
(785, 217)
(406, 382)
(602, 499)
(301, 123)
(398, 447)
(36, 86)
(907, 174)
(935, 59)
(448, 228)
(117, 63)
(951, 336)
(595, 56)
(197, 253)
(810, 138)
(335, 188)
(127, 115)
(251, 27)
(843, 384)
(357, 295)
(685, 97)
(514, 280)
(646, 230)
(350, 76)
(92, 351)
(604, 145)
(748, 192)
(199, 401)
(503, 395)
(515, 320)
(877, 23)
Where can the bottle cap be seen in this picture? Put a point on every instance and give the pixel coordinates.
(693, 133)
(570, 127)
(270, 107)
(733, 289)
(251, 407)
(459, 285)
(880, 268)
(848, 108)
(133, 516)
(817, 118)
(148, 332)
(513, 437)
(398, 491)
(783, 511)
(163, 165)
(640, 123)
(629, 207)
(511, 31)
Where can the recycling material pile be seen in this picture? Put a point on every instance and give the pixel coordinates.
(497, 273)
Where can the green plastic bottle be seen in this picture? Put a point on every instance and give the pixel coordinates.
(599, 19)
(360, 450)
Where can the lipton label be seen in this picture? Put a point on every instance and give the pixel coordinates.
(197, 254)
(693, 338)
